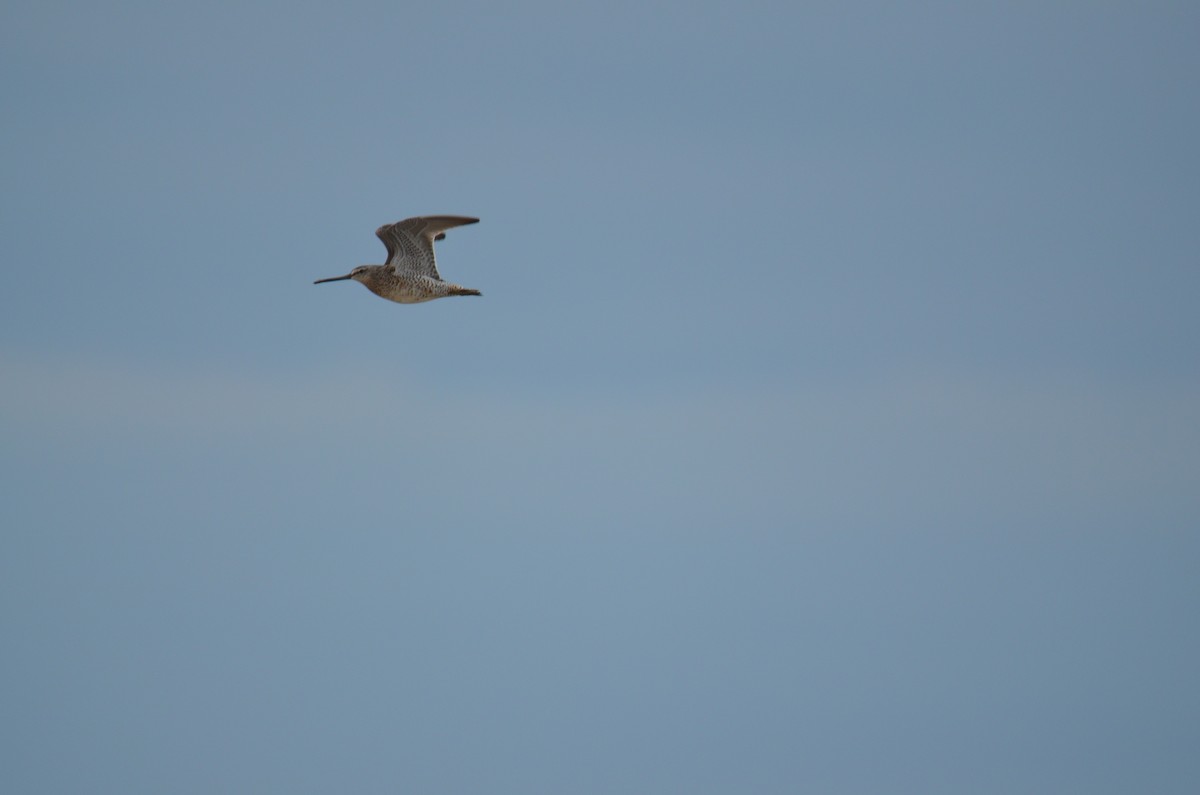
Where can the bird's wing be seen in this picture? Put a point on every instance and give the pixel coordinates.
(410, 242)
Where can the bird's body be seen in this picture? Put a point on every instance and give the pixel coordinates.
(410, 274)
(406, 288)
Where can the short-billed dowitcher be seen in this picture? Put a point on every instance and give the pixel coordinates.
(410, 274)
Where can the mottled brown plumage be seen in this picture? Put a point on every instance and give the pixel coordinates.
(410, 274)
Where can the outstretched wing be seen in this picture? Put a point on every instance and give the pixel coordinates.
(410, 242)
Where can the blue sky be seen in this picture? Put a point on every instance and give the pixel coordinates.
(829, 421)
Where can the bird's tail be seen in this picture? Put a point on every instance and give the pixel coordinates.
(464, 291)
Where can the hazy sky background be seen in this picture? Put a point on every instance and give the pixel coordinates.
(830, 421)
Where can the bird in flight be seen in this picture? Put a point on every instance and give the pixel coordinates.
(410, 274)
